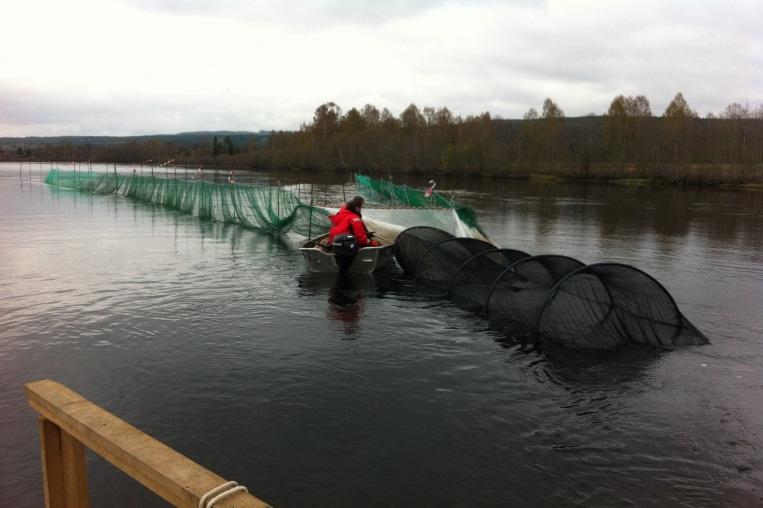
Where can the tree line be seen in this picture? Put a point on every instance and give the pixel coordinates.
(628, 141)
(629, 138)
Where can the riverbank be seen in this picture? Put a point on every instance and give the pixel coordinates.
(743, 176)
(694, 175)
(725, 176)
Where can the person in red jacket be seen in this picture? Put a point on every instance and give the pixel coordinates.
(349, 220)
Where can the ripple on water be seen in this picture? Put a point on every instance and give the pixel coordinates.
(214, 340)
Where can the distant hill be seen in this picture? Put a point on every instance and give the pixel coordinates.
(239, 138)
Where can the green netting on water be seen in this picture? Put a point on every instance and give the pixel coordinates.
(388, 193)
(270, 209)
(400, 195)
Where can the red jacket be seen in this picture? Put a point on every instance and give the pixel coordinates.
(346, 221)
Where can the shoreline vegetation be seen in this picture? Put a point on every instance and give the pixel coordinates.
(628, 145)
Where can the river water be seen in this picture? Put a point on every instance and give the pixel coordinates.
(369, 392)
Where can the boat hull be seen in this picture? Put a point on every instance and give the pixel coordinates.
(367, 260)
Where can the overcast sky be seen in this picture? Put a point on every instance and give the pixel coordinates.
(122, 67)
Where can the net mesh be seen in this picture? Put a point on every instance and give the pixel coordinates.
(472, 283)
(518, 293)
(270, 209)
(414, 242)
(599, 306)
(439, 264)
(607, 305)
(388, 193)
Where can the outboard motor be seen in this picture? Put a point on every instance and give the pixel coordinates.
(345, 248)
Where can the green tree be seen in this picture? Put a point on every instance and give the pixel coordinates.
(228, 144)
(553, 130)
(353, 122)
(326, 120)
(443, 117)
(623, 124)
(529, 137)
(616, 127)
(371, 115)
(679, 108)
(736, 133)
(411, 119)
(388, 121)
(678, 117)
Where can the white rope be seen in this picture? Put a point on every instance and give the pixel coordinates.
(209, 499)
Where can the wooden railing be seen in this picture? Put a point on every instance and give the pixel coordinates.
(69, 423)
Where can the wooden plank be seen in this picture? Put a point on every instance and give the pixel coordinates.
(75, 472)
(174, 477)
(52, 463)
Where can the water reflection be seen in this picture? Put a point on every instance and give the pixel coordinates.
(346, 296)
(130, 307)
(599, 369)
(346, 304)
(575, 369)
(669, 214)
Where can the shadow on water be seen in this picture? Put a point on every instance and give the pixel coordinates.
(570, 368)
(591, 368)
(346, 296)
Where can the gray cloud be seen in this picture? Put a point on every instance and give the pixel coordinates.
(503, 57)
(37, 113)
(315, 15)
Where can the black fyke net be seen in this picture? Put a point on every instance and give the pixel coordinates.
(598, 306)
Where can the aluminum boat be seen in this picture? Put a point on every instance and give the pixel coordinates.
(320, 259)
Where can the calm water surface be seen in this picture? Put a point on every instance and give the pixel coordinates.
(368, 392)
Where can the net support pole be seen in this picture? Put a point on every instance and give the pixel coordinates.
(310, 220)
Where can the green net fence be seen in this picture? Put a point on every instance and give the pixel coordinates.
(270, 209)
(388, 193)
